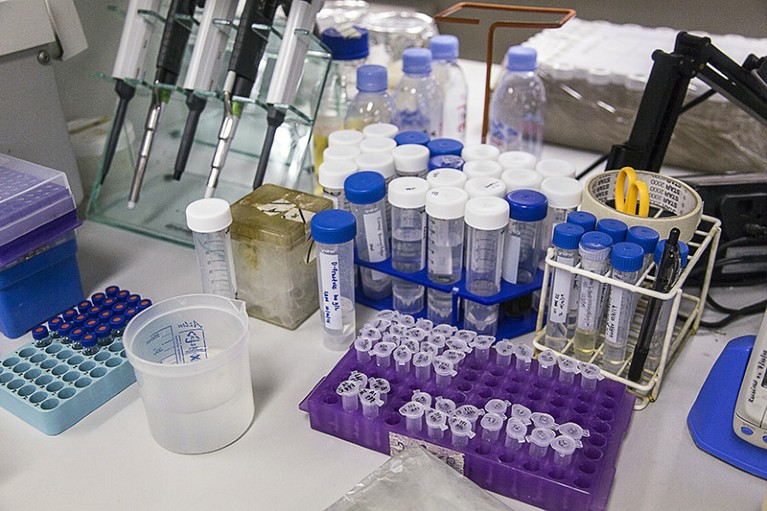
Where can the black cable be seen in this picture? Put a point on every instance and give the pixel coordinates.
(755, 308)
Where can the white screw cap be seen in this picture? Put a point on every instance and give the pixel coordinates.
(439, 178)
(562, 192)
(521, 179)
(332, 174)
(480, 152)
(208, 215)
(516, 160)
(482, 168)
(446, 203)
(345, 138)
(487, 213)
(380, 130)
(485, 187)
(381, 163)
(408, 192)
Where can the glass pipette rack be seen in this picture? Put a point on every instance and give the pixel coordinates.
(583, 484)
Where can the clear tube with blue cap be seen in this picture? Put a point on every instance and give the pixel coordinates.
(411, 137)
(444, 147)
(594, 249)
(566, 239)
(522, 250)
(645, 237)
(589, 222)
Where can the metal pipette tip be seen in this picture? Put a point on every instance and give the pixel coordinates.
(225, 136)
(152, 119)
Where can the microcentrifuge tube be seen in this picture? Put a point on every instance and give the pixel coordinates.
(406, 320)
(382, 351)
(491, 423)
(402, 356)
(392, 337)
(590, 374)
(481, 346)
(465, 335)
(516, 431)
(381, 385)
(397, 329)
(461, 430)
(413, 345)
(543, 420)
(363, 345)
(445, 372)
(436, 424)
(547, 359)
(387, 314)
(574, 431)
(539, 439)
(524, 354)
(567, 370)
(422, 397)
(503, 351)
(422, 363)
(469, 412)
(416, 333)
(372, 333)
(428, 347)
(360, 378)
(563, 447)
(455, 357)
(424, 324)
(371, 403)
(457, 344)
(444, 329)
(349, 392)
(497, 406)
(438, 340)
(445, 405)
(521, 413)
(413, 412)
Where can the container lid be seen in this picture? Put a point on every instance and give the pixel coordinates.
(372, 78)
(446, 177)
(527, 205)
(208, 215)
(480, 152)
(411, 137)
(333, 227)
(351, 45)
(521, 58)
(365, 187)
(517, 160)
(446, 203)
(332, 174)
(521, 179)
(377, 162)
(39, 332)
(345, 138)
(377, 145)
(444, 47)
(564, 445)
(380, 129)
(595, 246)
(485, 187)
(416, 61)
(446, 161)
(627, 256)
(645, 237)
(442, 146)
(555, 168)
(482, 168)
(613, 228)
(408, 192)
(341, 153)
(661, 246)
(567, 236)
(410, 158)
(583, 218)
(562, 192)
(88, 340)
(487, 213)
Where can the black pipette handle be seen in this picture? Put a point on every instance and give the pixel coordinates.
(250, 44)
(196, 105)
(125, 92)
(175, 35)
(274, 118)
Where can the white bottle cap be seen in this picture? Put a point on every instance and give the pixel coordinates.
(439, 178)
(411, 158)
(562, 192)
(341, 153)
(446, 203)
(381, 163)
(332, 174)
(380, 130)
(521, 179)
(555, 168)
(485, 187)
(377, 145)
(487, 213)
(480, 152)
(345, 137)
(208, 215)
(482, 168)
(517, 160)
(408, 192)
(598, 76)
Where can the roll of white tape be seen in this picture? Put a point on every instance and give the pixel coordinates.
(672, 203)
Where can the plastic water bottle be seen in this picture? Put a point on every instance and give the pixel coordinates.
(417, 98)
(452, 84)
(372, 104)
(517, 105)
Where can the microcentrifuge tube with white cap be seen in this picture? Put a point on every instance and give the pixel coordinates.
(371, 332)
(331, 176)
(504, 349)
(469, 412)
(402, 356)
(454, 343)
(524, 354)
(438, 340)
(516, 160)
(491, 423)
(387, 314)
(590, 375)
(440, 178)
(381, 385)
(555, 168)
(481, 345)
(382, 352)
(358, 377)
(349, 392)
(543, 420)
(574, 431)
(567, 369)
(411, 160)
(521, 179)
(482, 168)
(371, 403)
(540, 439)
(516, 430)
(547, 359)
(406, 319)
(445, 372)
(209, 221)
(474, 152)
(436, 424)
(422, 397)
(444, 329)
(521, 413)
(455, 357)
(380, 129)
(345, 138)
(497, 406)
(412, 344)
(466, 335)
(445, 405)
(431, 349)
(422, 363)
(563, 297)
(461, 430)
(413, 412)
(563, 447)
(424, 324)
(485, 187)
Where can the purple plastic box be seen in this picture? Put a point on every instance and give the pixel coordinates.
(584, 484)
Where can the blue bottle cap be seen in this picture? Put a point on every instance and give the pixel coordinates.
(83, 306)
(133, 300)
(521, 58)
(40, 332)
(112, 291)
(365, 187)
(117, 322)
(76, 334)
(582, 218)
(443, 146)
(596, 240)
(88, 340)
(527, 205)
(64, 327)
(411, 137)
(333, 227)
(613, 228)
(103, 331)
(444, 47)
(109, 303)
(91, 325)
(98, 298)
(69, 314)
(93, 312)
(130, 312)
(645, 237)
(79, 319)
(346, 48)
(372, 78)
(54, 323)
(119, 307)
(661, 246)
(122, 295)
(567, 236)
(446, 161)
(627, 256)
(416, 61)
(145, 303)
(104, 316)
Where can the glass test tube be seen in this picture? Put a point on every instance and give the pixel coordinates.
(209, 220)
(594, 249)
(331, 176)
(522, 251)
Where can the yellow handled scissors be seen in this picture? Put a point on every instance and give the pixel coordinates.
(629, 191)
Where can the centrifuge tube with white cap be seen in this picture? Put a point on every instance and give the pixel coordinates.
(547, 359)
(422, 363)
(474, 152)
(373, 333)
(487, 219)
(382, 352)
(411, 160)
(345, 138)
(331, 176)
(413, 412)
(497, 406)
(521, 179)
(345, 153)
(563, 447)
(445, 372)
(440, 178)
(564, 196)
(481, 345)
(521, 413)
(485, 187)
(524, 355)
(516, 160)
(516, 430)
(445, 405)
(422, 397)
(482, 168)
(436, 424)
(209, 220)
(567, 369)
(522, 251)
(543, 420)
(407, 320)
(380, 129)
(491, 423)
(444, 329)
(378, 146)
(387, 314)
(555, 168)
(590, 375)
(358, 377)
(371, 403)
(402, 356)
(594, 249)
(566, 239)
(431, 349)
(540, 439)
(461, 430)
(504, 349)
(574, 431)
(349, 392)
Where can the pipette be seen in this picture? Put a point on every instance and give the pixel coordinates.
(130, 64)
(249, 45)
(202, 72)
(287, 74)
(174, 38)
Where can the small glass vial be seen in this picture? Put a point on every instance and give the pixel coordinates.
(411, 160)
(64, 330)
(103, 335)
(522, 250)
(566, 239)
(209, 220)
(75, 336)
(365, 192)
(117, 323)
(331, 176)
(89, 344)
(333, 231)
(41, 336)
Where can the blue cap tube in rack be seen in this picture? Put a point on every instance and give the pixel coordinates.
(566, 239)
(594, 249)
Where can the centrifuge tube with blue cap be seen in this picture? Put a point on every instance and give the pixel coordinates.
(487, 219)
(614, 228)
(566, 240)
(333, 232)
(522, 250)
(444, 146)
(209, 220)
(626, 261)
(408, 136)
(594, 249)
(645, 237)
(583, 218)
